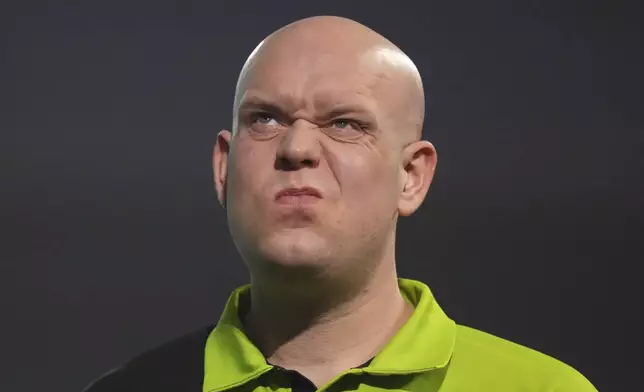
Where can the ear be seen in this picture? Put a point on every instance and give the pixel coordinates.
(220, 159)
(419, 164)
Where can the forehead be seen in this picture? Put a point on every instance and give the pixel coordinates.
(322, 80)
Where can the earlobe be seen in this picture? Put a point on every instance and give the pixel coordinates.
(419, 171)
(220, 157)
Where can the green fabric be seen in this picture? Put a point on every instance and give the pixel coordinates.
(430, 353)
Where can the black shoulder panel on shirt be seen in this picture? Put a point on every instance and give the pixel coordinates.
(176, 366)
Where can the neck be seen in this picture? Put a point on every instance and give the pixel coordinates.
(329, 328)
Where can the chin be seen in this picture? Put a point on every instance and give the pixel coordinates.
(296, 248)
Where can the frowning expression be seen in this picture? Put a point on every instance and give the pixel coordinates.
(314, 167)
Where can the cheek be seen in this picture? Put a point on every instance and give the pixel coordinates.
(247, 176)
(246, 170)
(366, 180)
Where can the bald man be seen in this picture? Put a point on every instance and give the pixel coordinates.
(323, 156)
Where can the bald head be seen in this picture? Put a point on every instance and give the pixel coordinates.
(339, 47)
(327, 105)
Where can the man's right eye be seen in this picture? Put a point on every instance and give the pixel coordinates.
(264, 119)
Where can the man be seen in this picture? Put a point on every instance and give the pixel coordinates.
(323, 157)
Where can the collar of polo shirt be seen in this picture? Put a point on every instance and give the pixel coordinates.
(424, 343)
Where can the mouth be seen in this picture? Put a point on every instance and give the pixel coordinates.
(304, 195)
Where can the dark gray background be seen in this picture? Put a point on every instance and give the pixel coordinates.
(112, 241)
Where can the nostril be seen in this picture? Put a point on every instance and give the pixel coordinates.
(288, 164)
(283, 163)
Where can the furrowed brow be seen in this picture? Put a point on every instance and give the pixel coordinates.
(344, 110)
(259, 104)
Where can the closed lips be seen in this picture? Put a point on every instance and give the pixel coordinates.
(306, 191)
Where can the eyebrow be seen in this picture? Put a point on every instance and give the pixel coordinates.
(255, 102)
(258, 103)
(347, 109)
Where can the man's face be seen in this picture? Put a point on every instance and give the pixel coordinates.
(314, 169)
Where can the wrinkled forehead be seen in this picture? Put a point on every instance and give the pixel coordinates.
(295, 79)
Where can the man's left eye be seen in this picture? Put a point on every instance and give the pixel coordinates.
(342, 123)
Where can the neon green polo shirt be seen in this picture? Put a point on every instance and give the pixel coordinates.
(430, 353)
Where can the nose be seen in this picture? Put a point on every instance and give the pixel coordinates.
(299, 148)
